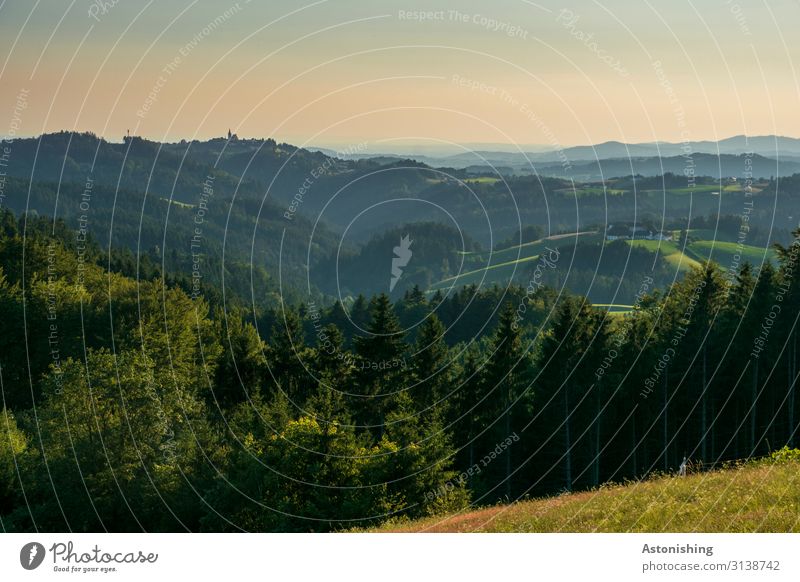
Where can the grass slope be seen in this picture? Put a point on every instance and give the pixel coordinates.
(721, 252)
(683, 261)
(509, 262)
(724, 253)
(759, 496)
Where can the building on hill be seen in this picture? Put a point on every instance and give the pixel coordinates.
(618, 231)
(625, 231)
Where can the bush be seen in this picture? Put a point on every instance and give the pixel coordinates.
(785, 455)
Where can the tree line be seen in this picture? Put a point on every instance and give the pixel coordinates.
(129, 405)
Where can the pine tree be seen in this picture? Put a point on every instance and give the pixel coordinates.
(288, 358)
(334, 371)
(337, 316)
(413, 308)
(464, 406)
(566, 390)
(731, 374)
(381, 361)
(430, 373)
(360, 313)
(241, 368)
(504, 379)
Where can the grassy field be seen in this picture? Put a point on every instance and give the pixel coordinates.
(515, 260)
(724, 253)
(671, 252)
(708, 234)
(704, 189)
(698, 189)
(496, 273)
(596, 189)
(533, 248)
(504, 262)
(177, 203)
(614, 308)
(760, 496)
(591, 191)
(482, 180)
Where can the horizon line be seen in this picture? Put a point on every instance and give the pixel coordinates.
(542, 148)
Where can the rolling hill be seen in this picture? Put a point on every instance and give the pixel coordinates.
(682, 260)
(499, 266)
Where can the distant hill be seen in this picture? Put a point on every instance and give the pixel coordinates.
(785, 149)
(610, 166)
(168, 170)
(286, 211)
(161, 201)
(717, 167)
(769, 146)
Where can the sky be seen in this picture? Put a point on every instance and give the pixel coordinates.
(384, 75)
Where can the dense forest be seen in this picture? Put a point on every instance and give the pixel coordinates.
(134, 401)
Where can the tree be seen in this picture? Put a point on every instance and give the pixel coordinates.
(505, 377)
(13, 444)
(567, 391)
(334, 373)
(289, 357)
(701, 296)
(120, 444)
(241, 368)
(419, 470)
(413, 308)
(305, 478)
(763, 359)
(381, 361)
(430, 376)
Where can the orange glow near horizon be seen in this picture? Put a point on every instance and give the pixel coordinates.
(339, 72)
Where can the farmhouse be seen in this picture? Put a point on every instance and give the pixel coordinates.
(624, 231)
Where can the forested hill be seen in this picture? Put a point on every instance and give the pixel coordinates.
(698, 164)
(168, 170)
(368, 196)
(163, 202)
(276, 222)
(133, 405)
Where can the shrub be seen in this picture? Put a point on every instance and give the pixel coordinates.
(785, 455)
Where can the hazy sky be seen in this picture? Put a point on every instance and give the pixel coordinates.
(342, 72)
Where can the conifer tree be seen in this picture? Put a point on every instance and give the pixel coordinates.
(504, 379)
(381, 363)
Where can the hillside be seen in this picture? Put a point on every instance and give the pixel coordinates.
(671, 252)
(759, 496)
(608, 272)
(498, 266)
(769, 146)
(716, 166)
(285, 213)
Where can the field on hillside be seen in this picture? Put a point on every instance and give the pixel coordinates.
(697, 252)
(508, 262)
(515, 261)
(724, 252)
(713, 189)
(759, 496)
(482, 180)
(614, 308)
(591, 191)
(683, 261)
